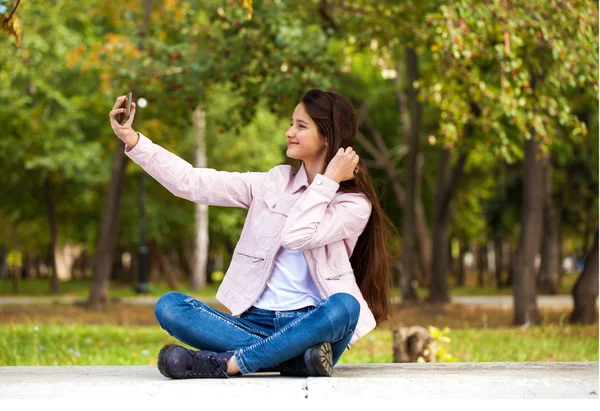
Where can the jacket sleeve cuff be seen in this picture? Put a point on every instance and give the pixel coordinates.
(324, 186)
(140, 154)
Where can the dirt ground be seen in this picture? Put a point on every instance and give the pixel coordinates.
(454, 316)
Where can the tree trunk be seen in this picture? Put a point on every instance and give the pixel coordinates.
(184, 263)
(481, 264)
(166, 268)
(499, 263)
(108, 231)
(585, 291)
(549, 276)
(511, 264)
(446, 186)
(201, 244)
(590, 225)
(66, 256)
(451, 261)
(36, 266)
(79, 265)
(187, 254)
(410, 113)
(154, 264)
(447, 181)
(112, 208)
(411, 343)
(422, 230)
(382, 160)
(561, 267)
(461, 264)
(524, 272)
(54, 284)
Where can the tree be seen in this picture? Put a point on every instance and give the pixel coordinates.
(585, 292)
(360, 27)
(185, 48)
(40, 164)
(542, 55)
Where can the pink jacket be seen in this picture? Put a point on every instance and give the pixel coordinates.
(283, 210)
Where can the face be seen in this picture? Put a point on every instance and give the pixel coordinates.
(304, 141)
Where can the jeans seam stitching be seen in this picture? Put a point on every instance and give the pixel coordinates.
(226, 320)
(274, 335)
(176, 336)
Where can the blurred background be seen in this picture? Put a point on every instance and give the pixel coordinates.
(478, 121)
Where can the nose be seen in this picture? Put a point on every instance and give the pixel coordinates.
(289, 133)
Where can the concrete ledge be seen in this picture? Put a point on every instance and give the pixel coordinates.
(369, 381)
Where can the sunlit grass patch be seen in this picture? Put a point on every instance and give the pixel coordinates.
(518, 344)
(80, 345)
(31, 344)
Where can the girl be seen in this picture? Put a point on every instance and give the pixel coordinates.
(311, 271)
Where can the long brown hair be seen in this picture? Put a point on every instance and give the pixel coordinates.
(371, 259)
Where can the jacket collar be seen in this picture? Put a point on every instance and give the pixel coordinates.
(300, 179)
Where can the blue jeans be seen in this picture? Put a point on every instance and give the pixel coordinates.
(260, 338)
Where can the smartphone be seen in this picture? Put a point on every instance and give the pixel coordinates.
(123, 117)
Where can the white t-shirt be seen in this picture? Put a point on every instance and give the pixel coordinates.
(290, 285)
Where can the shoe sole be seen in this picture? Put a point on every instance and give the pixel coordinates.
(322, 359)
(161, 360)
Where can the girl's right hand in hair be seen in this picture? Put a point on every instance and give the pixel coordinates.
(125, 133)
(342, 165)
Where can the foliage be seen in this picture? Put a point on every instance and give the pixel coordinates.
(518, 61)
(529, 67)
(77, 56)
(10, 22)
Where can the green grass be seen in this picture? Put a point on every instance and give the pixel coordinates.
(28, 344)
(557, 343)
(80, 288)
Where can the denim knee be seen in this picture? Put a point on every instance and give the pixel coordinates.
(347, 306)
(164, 308)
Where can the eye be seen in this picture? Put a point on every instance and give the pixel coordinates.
(301, 126)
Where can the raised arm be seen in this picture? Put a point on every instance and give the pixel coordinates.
(200, 185)
(315, 220)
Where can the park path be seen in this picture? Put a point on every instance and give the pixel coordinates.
(499, 301)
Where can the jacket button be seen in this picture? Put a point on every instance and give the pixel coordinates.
(273, 205)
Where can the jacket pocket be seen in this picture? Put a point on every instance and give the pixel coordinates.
(273, 216)
(254, 258)
(247, 270)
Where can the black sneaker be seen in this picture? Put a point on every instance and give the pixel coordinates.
(316, 361)
(178, 362)
(161, 357)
